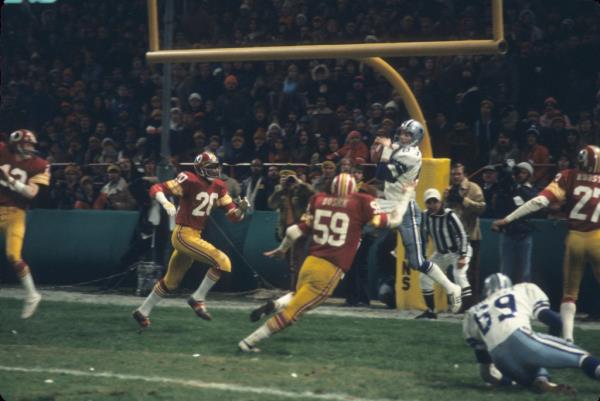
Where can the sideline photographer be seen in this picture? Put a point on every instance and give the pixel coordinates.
(290, 199)
(466, 199)
(515, 245)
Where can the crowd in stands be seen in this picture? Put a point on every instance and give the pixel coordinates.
(75, 73)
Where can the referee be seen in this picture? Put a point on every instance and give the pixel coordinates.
(451, 248)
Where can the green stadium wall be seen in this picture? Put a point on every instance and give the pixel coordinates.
(65, 247)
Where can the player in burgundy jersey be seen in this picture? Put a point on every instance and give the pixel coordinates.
(198, 193)
(21, 174)
(579, 188)
(335, 221)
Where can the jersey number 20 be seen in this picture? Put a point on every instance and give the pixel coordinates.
(330, 227)
(206, 203)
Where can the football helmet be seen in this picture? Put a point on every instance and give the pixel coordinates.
(343, 185)
(496, 282)
(23, 141)
(207, 165)
(588, 159)
(414, 129)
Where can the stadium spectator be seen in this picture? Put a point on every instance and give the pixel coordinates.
(466, 199)
(257, 188)
(290, 199)
(115, 194)
(64, 192)
(354, 149)
(503, 149)
(538, 156)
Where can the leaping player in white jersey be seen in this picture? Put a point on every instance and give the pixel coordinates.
(507, 349)
(399, 166)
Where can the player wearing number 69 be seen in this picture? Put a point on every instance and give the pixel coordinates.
(21, 174)
(499, 330)
(197, 192)
(335, 220)
(580, 189)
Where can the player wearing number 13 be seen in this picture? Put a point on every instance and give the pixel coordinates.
(21, 174)
(580, 189)
(197, 194)
(335, 220)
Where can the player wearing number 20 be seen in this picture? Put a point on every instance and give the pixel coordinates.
(197, 194)
(335, 220)
(21, 174)
(499, 330)
(580, 189)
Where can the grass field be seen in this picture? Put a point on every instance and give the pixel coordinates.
(94, 352)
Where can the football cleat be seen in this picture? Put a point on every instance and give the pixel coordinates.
(30, 305)
(455, 299)
(261, 311)
(245, 347)
(542, 385)
(427, 315)
(200, 308)
(142, 320)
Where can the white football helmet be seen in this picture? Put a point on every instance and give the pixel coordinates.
(496, 282)
(414, 129)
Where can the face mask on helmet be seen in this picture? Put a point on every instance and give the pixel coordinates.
(23, 142)
(413, 129)
(207, 166)
(343, 185)
(588, 159)
(496, 282)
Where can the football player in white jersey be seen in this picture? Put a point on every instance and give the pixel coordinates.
(399, 167)
(507, 349)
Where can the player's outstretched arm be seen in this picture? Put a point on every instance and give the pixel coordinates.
(157, 192)
(29, 190)
(531, 206)
(292, 233)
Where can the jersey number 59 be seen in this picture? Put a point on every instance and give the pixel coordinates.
(330, 227)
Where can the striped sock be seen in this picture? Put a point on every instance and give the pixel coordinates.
(159, 291)
(283, 301)
(212, 276)
(262, 333)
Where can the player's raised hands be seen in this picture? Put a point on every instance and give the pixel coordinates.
(169, 208)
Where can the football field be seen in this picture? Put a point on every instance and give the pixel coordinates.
(87, 347)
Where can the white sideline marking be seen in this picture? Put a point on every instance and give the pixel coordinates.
(195, 383)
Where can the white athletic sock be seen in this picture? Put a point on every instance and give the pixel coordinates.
(205, 286)
(437, 275)
(283, 301)
(149, 303)
(567, 314)
(28, 285)
(262, 333)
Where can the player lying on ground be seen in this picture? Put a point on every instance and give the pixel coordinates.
(335, 221)
(580, 189)
(198, 193)
(21, 174)
(499, 330)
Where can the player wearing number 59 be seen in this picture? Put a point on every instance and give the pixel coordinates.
(21, 174)
(580, 189)
(507, 349)
(197, 192)
(335, 220)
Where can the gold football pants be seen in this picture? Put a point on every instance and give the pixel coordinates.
(316, 282)
(581, 248)
(189, 247)
(12, 225)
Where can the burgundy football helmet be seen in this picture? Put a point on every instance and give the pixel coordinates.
(588, 159)
(207, 165)
(23, 142)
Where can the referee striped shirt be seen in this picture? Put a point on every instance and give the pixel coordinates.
(447, 231)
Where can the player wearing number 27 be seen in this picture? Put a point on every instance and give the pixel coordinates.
(580, 189)
(21, 174)
(197, 194)
(335, 220)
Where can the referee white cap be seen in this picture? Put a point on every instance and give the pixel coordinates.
(432, 193)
